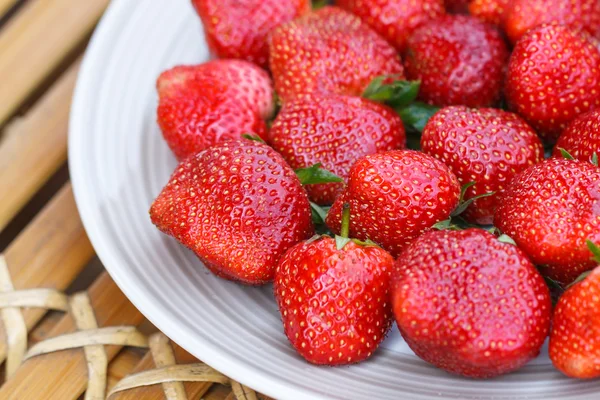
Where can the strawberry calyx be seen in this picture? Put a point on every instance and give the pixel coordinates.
(580, 278)
(464, 204)
(401, 95)
(253, 137)
(447, 224)
(595, 249)
(556, 289)
(317, 4)
(504, 238)
(315, 175)
(456, 222)
(566, 155)
(416, 115)
(392, 91)
(343, 238)
(319, 213)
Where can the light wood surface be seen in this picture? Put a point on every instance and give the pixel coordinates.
(35, 146)
(5, 5)
(36, 41)
(49, 253)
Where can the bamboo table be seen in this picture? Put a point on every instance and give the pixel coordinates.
(66, 330)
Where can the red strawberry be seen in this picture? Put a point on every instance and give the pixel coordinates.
(554, 76)
(335, 131)
(329, 51)
(395, 196)
(204, 104)
(525, 15)
(238, 206)
(459, 60)
(486, 146)
(549, 210)
(333, 299)
(395, 20)
(457, 6)
(492, 11)
(470, 304)
(575, 336)
(582, 137)
(239, 29)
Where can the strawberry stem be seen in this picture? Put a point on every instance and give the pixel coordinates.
(595, 159)
(345, 232)
(343, 238)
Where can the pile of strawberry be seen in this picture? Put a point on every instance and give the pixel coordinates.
(357, 156)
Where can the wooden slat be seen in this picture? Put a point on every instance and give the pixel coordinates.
(219, 392)
(35, 146)
(67, 370)
(123, 365)
(194, 390)
(36, 40)
(49, 253)
(5, 5)
(40, 331)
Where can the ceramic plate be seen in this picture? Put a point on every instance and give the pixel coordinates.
(119, 163)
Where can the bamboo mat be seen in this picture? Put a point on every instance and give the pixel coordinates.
(66, 330)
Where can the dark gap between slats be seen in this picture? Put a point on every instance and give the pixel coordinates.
(34, 206)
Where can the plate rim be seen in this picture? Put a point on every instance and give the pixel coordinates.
(111, 23)
(159, 317)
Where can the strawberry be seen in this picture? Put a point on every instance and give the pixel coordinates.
(329, 51)
(525, 15)
(239, 29)
(470, 304)
(333, 298)
(394, 197)
(457, 6)
(575, 336)
(238, 206)
(491, 11)
(395, 20)
(553, 77)
(204, 104)
(334, 130)
(549, 210)
(459, 60)
(485, 146)
(582, 137)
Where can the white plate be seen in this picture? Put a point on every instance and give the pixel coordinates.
(119, 163)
